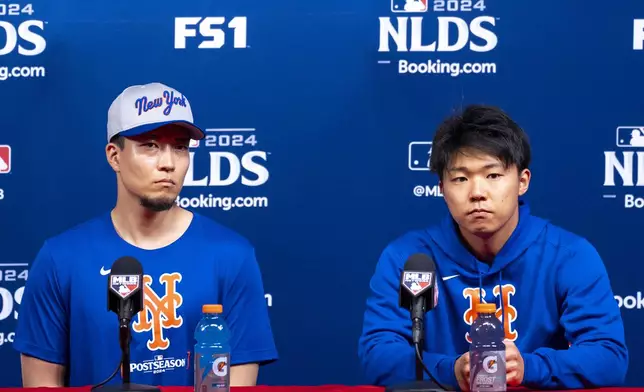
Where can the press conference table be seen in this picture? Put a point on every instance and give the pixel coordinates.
(323, 388)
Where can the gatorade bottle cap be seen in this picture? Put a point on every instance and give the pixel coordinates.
(212, 309)
(486, 308)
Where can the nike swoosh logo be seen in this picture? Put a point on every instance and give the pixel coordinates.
(450, 277)
(104, 271)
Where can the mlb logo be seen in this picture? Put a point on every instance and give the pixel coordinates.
(124, 285)
(630, 136)
(409, 6)
(419, 155)
(416, 282)
(193, 143)
(5, 159)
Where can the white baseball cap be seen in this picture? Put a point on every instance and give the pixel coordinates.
(142, 108)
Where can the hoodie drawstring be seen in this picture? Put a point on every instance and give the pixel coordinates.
(500, 293)
(501, 301)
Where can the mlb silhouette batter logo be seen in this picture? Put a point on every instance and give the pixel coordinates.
(416, 282)
(630, 136)
(507, 314)
(408, 5)
(159, 312)
(419, 155)
(124, 285)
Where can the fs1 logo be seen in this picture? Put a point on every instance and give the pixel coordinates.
(638, 34)
(29, 31)
(212, 31)
(407, 34)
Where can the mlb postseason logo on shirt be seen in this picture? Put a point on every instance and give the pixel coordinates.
(160, 364)
(625, 166)
(124, 285)
(422, 29)
(416, 282)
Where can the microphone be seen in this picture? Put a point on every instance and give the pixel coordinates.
(124, 292)
(418, 293)
(125, 298)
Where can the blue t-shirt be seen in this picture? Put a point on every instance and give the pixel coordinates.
(64, 317)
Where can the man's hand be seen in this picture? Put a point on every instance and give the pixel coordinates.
(513, 364)
(462, 371)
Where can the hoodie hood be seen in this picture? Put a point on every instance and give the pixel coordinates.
(445, 237)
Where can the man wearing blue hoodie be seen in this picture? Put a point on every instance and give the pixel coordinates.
(562, 325)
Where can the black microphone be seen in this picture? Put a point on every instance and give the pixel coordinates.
(124, 289)
(125, 298)
(418, 293)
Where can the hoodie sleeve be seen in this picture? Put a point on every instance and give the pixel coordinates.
(597, 356)
(384, 348)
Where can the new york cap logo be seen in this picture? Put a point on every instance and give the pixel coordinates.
(142, 108)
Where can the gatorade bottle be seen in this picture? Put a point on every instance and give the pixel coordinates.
(212, 351)
(487, 351)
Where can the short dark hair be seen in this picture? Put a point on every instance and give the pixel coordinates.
(487, 129)
(119, 140)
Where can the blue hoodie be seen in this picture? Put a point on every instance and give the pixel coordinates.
(556, 293)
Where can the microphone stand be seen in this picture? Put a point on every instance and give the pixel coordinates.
(419, 362)
(125, 337)
(417, 333)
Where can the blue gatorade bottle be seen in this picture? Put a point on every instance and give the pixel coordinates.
(212, 351)
(487, 351)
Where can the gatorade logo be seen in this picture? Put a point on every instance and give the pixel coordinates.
(490, 364)
(510, 316)
(220, 367)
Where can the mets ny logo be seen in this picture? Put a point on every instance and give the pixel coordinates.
(159, 312)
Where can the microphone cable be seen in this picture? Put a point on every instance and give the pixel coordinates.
(431, 377)
(111, 377)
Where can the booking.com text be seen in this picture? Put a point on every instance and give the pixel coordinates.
(225, 203)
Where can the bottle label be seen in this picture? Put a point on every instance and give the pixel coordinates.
(487, 370)
(212, 372)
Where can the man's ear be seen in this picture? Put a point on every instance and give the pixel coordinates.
(524, 181)
(112, 153)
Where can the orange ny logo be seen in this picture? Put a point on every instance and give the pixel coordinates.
(159, 313)
(509, 317)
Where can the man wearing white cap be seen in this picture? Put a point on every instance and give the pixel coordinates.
(66, 336)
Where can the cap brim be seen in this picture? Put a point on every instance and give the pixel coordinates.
(196, 133)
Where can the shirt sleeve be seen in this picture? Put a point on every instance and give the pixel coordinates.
(42, 330)
(246, 314)
(593, 325)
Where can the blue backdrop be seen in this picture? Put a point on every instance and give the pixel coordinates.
(319, 117)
